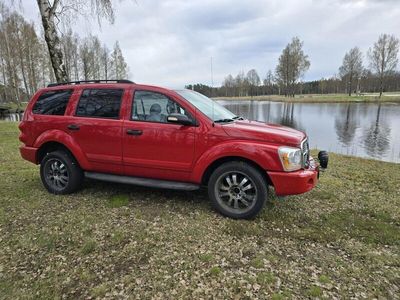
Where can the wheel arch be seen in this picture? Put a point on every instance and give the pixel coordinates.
(51, 146)
(218, 162)
(57, 139)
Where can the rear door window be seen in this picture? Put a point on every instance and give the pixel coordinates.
(100, 103)
(52, 103)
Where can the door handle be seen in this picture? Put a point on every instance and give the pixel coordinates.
(134, 132)
(73, 127)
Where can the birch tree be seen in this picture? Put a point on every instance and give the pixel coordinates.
(119, 66)
(293, 63)
(70, 48)
(105, 61)
(383, 58)
(351, 68)
(58, 9)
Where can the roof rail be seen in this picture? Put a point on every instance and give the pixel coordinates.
(91, 81)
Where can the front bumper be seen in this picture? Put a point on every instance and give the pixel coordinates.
(28, 153)
(297, 182)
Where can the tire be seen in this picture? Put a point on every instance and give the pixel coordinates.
(237, 190)
(60, 173)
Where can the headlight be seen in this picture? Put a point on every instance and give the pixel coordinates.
(290, 158)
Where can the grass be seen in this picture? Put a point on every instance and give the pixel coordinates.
(118, 201)
(315, 291)
(322, 98)
(341, 240)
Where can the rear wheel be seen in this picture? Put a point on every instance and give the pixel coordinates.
(60, 173)
(237, 190)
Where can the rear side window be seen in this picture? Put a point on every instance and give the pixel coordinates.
(100, 103)
(52, 103)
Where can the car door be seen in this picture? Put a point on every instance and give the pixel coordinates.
(152, 147)
(97, 128)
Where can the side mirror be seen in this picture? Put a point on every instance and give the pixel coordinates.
(179, 119)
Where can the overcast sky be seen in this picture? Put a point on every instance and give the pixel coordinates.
(171, 42)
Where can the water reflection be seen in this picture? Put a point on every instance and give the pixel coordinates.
(376, 137)
(14, 117)
(287, 117)
(360, 129)
(346, 124)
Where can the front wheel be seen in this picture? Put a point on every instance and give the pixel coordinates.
(60, 173)
(237, 190)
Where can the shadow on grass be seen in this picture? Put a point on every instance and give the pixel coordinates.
(153, 202)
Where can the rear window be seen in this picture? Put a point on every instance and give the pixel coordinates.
(100, 103)
(52, 103)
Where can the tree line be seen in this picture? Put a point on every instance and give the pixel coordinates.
(354, 76)
(26, 64)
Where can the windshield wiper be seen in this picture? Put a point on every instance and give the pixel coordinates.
(237, 118)
(223, 120)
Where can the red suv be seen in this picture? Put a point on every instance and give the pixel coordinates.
(124, 132)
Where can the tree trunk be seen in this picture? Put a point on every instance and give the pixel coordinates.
(22, 63)
(11, 70)
(350, 84)
(3, 72)
(47, 13)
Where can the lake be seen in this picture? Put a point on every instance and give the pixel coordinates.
(14, 117)
(361, 129)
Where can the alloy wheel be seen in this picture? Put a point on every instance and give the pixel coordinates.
(236, 192)
(56, 174)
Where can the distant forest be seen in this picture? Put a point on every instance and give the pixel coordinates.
(376, 74)
(369, 83)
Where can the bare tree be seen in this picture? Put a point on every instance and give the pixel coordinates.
(351, 68)
(119, 66)
(253, 80)
(269, 82)
(56, 9)
(240, 83)
(70, 45)
(229, 84)
(293, 63)
(383, 57)
(105, 61)
(85, 56)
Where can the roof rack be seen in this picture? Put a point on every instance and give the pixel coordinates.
(91, 81)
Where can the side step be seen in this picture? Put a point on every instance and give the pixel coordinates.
(155, 183)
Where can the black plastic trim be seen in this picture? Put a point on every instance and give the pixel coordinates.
(155, 183)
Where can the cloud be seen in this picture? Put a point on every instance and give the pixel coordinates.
(171, 42)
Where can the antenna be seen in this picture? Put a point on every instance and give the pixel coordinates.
(212, 78)
(212, 85)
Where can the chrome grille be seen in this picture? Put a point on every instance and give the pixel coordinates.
(305, 152)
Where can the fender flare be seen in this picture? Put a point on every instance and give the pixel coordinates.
(59, 136)
(264, 155)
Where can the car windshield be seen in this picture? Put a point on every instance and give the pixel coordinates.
(216, 112)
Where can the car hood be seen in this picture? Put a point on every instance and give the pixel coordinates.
(273, 133)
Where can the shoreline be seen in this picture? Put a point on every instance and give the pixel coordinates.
(316, 99)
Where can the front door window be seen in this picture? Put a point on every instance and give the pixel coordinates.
(154, 107)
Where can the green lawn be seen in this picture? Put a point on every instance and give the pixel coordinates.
(322, 98)
(340, 240)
